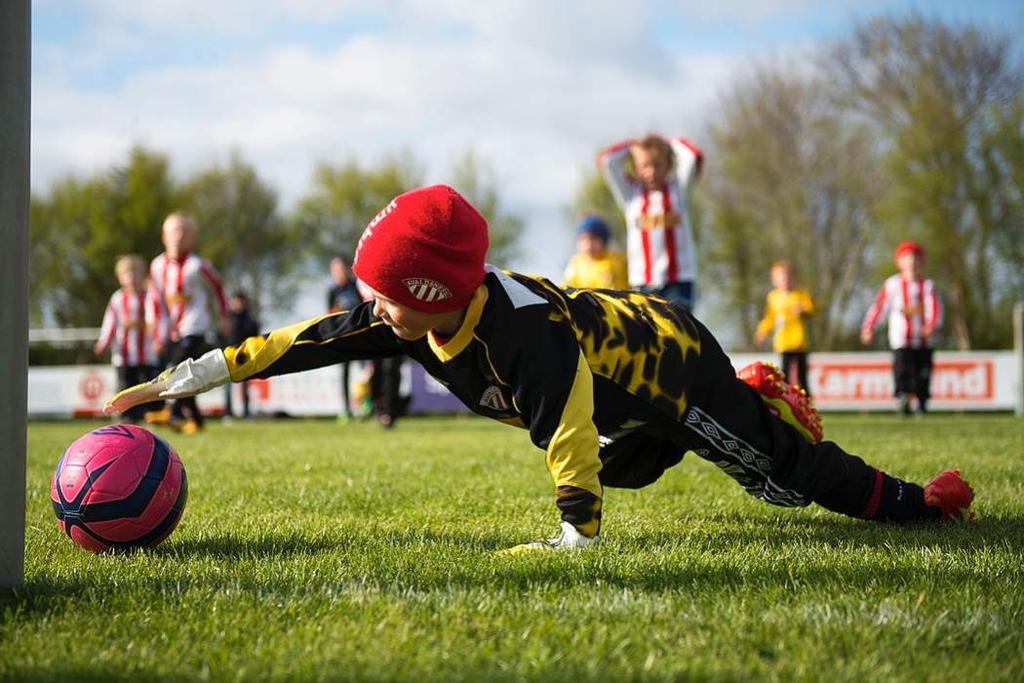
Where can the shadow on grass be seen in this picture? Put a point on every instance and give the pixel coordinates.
(235, 547)
(641, 562)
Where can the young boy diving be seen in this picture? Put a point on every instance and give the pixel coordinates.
(614, 386)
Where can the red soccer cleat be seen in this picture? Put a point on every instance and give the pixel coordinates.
(951, 494)
(788, 402)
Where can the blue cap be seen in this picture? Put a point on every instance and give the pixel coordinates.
(594, 225)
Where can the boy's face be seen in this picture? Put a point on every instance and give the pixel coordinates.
(178, 236)
(130, 279)
(406, 323)
(236, 304)
(782, 278)
(651, 167)
(908, 263)
(591, 245)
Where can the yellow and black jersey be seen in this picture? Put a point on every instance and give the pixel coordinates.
(569, 365)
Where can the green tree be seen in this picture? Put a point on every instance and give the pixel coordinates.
(946, 104)
(593, 196)
(241, 231)
(474, 179)
(805, 192)
(331, 217)
(81, 226)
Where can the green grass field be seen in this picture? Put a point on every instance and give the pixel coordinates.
(312, 551)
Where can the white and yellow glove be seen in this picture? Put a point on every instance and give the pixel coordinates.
(188, 378)
(569, 539)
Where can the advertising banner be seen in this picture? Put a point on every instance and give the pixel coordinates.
(977, 380)
(981, 380)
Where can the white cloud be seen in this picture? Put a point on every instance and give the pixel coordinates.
(219, 16)
(537, 104)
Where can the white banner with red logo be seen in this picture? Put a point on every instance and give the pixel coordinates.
(975, 380)
(981, 380)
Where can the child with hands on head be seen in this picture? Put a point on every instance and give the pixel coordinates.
(614, 386)
(650, 180)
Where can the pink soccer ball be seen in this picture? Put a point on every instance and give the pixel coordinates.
(118, 487)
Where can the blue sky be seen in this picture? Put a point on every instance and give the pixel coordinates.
(534, 87)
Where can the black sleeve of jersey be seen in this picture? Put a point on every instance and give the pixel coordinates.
(334, 338)
(553, 391)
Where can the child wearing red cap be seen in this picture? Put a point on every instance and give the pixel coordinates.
(614, 386)
(914, 313)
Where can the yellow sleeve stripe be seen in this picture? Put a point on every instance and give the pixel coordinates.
(572, 453)
(256, 354)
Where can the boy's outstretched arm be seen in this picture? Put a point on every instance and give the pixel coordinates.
(326, 340)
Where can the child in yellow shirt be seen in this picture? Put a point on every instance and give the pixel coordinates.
(784, 313)
(594, 265)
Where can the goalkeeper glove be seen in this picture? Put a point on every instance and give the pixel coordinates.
(188, 378)
(569, 539)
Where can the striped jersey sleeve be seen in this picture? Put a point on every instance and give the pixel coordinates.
(877, 311)
(612, 163)
(108, 327)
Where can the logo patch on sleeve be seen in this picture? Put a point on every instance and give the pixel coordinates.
(427, 290)
(493, 399)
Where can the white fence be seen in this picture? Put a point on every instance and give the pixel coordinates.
(976, 381)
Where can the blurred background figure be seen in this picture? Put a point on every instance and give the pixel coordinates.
(242, 325)
(387, 382)
(133, 329)
(651, 180)
(785, 312)
(196, 308)
(914, 314)
(595, 265)
(342, 296)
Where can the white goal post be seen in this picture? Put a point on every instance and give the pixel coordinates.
(15, 84)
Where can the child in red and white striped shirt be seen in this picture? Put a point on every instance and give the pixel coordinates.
(914, 312)
(196, 307)
(654, 196)
(134, 327)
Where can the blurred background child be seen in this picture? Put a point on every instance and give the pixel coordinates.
(595, 265)
(196, 306)
(914, 313)
(133, 329)
(785, 312)
(242, 325)
(650, 180)
(343, 295)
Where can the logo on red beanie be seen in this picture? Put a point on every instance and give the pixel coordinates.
(427, 290)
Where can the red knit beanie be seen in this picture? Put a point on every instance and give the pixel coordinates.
(908, 246)
(425, 250)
